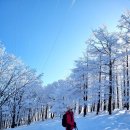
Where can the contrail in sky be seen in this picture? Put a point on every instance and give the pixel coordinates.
(73, 2)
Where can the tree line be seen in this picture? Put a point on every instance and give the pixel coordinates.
(100, 81)
(19, 89)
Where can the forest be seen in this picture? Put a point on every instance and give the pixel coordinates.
(100, 81)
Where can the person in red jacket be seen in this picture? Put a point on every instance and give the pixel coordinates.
(69, 119)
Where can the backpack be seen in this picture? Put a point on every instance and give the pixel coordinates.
(64, 123)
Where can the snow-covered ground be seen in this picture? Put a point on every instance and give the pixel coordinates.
(120, 120)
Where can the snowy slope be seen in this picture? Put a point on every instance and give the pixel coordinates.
(118, 121)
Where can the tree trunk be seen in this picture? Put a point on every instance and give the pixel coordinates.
(127, 73)
(29, 116)
(13, 117)
(98, 104)
(46, 112)
(0, 118)
(85, 110)
(110, 89)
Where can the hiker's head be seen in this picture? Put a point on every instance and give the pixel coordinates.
(69, 108)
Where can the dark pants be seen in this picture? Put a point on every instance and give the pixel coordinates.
(68, 127)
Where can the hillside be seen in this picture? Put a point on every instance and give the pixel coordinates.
(119, 120)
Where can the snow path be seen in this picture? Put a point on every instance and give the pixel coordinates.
(118, 121)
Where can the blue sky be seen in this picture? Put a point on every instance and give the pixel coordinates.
(49, 35)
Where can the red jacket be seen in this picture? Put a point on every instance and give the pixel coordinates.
(70, 119)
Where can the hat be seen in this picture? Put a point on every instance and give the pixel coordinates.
(69, 107)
